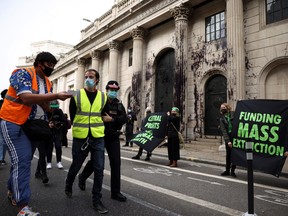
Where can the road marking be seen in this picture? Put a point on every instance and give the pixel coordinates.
(210, 182)
(275, 197)
(190, 199)
(193, 200)
(208, 175)
(162, 171)
(135, 199)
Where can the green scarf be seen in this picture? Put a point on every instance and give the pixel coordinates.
(228, 117)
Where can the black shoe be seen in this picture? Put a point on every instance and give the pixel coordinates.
(100, 208)
(125, 145)
(225, 173)
(147, 159)
(118, 196)
(68, 190)
(81, 184)
(45, 178)
(137, 157)
(38, 175)
(233, 174)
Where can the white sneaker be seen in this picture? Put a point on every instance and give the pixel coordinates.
(26, 211)
(49, 166)
(59, 165)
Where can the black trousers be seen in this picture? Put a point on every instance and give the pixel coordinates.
(140, 151)
(42, 147)
(228, 159)
(57, 142)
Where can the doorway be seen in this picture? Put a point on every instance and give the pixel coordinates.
(164, 82)
(215, 95)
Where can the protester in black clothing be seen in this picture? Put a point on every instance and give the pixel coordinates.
(65, 128)
(131, 117)
(140, 151)
(226, 129)
(173, 140)
(56, 121)
(43, 147)
(114, 118)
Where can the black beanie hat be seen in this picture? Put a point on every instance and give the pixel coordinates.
(112, 84)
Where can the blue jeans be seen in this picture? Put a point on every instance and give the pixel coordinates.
(2, 148)
(20, 151)
(96, 148)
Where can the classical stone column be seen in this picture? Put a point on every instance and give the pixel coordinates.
(80, 73)
(62, 87)
(113, 59)
(180, 14)
(96, 57)
(236, 51)
(138, 98)
(55, 85)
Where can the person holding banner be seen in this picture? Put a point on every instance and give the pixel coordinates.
(173, 140)
(140, 151)
(131, 118)
(226, 129)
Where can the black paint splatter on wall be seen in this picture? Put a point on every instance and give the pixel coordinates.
(205, 56)
(136, 92)
(180, 70)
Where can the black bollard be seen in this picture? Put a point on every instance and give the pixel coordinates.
(249, 158)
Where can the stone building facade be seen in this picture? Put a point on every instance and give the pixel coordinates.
(191, 54)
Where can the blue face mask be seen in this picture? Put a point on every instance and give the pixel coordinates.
(89, 83)
(112, 94)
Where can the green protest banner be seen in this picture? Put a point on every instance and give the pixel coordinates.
(265, 124)
(153, 131)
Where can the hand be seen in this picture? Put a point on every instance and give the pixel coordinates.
(107, 118)
(286, 154)
(51, 124)
(168, 113)
(230, 144)
(63, 95)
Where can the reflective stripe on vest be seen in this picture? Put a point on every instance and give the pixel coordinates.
(13, 108)
(88, 116)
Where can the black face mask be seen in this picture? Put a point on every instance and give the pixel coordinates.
(223, 111)
(47, 71)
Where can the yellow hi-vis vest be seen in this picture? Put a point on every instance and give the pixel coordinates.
(88, 116)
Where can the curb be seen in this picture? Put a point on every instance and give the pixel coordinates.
(198, 160)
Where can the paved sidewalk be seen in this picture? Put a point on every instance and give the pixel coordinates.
(205, 154)
(199, 153)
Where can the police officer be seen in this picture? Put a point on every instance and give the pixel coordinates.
(114, 118)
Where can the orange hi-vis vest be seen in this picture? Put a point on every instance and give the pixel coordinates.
(13, 108)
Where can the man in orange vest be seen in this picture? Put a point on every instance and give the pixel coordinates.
(28, 97)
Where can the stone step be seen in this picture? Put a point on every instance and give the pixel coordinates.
(206, 142)
(201, 147)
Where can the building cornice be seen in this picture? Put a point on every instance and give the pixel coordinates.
(117, 28)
